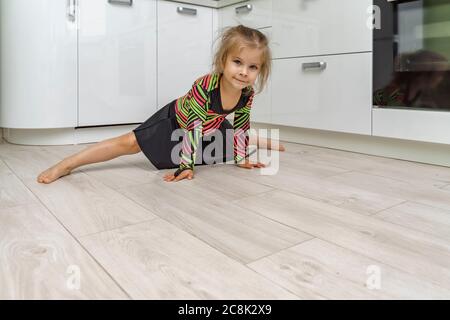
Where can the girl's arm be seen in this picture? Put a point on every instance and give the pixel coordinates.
(241, 127)
(192, 134)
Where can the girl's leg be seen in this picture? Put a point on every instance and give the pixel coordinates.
(99, 152)
(265, 143)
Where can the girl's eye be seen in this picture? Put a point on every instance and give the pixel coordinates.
(237, 61)
(254, 67)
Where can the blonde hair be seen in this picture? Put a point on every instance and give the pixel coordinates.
(238, 37)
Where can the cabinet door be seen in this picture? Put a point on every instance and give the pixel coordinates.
(262, 103)
(184, 48)
(336, 98)
(117, 62)
(320, 27)
(38, 64)
(254, 14)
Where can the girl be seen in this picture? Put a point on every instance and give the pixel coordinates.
(242, 59)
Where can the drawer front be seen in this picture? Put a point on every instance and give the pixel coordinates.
(321, 27)
(336, 98)
(255, 14)
(418, 125)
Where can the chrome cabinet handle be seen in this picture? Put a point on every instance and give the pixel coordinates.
(314, 65)
(71, 10)
(184, 10)
(121, 2)
(246, 8)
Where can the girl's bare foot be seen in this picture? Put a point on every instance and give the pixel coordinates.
(57, 171)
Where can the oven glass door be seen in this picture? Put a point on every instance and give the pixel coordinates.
(411, 54)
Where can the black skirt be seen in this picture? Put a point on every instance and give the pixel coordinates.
(154, 137)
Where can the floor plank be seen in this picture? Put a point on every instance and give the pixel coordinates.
(407, 171)
(117, 173)
(419, 217)
(239, 233)
(36, 257)
(85, 205)
(417, 253)
(318, 269)
(27, 161)
(12, 190)
(434, 197)
(156, 260)
(323, 189)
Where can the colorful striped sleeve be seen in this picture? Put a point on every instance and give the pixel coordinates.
(241, 127)
(196, 115)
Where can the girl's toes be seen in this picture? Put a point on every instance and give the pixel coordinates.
(52, 174)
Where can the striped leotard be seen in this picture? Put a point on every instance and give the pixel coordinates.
(200, 112)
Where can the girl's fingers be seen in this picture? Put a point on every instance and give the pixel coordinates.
(169, 177)
(180, 177)
(257, 165)
(185, 175)
(188, 174)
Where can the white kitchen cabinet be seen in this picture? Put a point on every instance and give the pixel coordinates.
(336, 97)
(254, 14)
(262, 103)
(321, 27)
(185, 35)
(117, 62)
(38, 64)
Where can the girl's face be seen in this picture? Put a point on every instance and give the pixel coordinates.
(242, 68)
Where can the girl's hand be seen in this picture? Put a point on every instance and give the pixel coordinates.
(251, 165)
(186, 174)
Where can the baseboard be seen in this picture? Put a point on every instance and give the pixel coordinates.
(431, 153)
(64, 136)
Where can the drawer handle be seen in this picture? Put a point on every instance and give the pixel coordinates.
(184, 10)
(122, 2)
(246, 8)
(314, 65)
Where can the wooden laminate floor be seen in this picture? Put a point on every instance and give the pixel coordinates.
(328, 225)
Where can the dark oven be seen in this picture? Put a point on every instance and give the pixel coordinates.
(411, 54)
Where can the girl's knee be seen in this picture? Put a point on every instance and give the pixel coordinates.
(131, 142)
